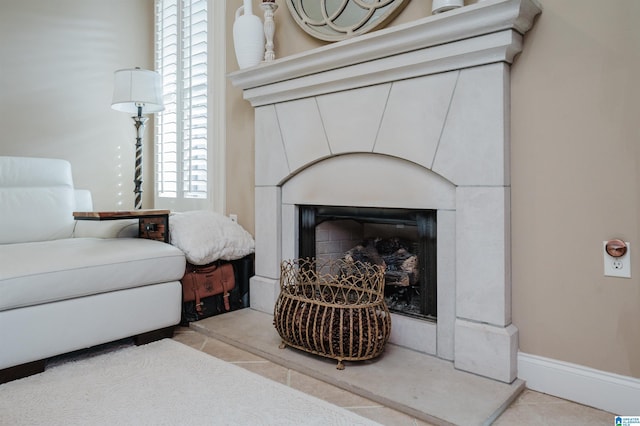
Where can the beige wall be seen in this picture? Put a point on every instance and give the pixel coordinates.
(240, 139)
(575, 164)
(56, 80)
(576, 182)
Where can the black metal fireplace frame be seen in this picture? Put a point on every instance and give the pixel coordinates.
(425, 221)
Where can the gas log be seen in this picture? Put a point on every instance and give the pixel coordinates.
(401, 266)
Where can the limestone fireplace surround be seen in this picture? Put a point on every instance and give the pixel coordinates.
(413, 116)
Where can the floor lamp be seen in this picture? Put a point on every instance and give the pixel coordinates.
(137, 91)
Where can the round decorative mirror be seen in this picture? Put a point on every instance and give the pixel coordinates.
(334, 20)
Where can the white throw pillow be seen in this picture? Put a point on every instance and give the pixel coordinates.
(206, 236)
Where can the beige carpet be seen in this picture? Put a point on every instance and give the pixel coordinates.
(162, 383)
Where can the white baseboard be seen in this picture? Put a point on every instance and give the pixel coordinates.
(617, 394)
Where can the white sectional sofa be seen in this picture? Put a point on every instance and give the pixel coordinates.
(66, 284)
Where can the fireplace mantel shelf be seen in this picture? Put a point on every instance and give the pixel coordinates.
(485, 32)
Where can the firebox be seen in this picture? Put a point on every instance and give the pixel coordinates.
(403, 240)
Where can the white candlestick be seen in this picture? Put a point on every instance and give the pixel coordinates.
(269, 29)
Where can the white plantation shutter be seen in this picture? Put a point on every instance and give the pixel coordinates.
(181, 129)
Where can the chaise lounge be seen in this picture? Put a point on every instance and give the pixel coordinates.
(67, 285)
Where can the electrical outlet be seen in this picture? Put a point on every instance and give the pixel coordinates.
(234, 218)
(617, 266)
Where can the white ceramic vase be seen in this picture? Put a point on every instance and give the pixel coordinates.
(439, 6)
(248, 36)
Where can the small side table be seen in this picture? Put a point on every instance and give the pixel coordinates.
(152, 224)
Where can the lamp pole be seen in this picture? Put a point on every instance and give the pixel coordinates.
(139, 122)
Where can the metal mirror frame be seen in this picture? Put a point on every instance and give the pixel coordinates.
(332, 25)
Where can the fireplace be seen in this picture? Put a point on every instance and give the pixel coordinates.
(403, 240)
(414, 118)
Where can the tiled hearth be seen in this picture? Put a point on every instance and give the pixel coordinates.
(417, 117)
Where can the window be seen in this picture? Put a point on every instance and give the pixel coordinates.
(183, 136)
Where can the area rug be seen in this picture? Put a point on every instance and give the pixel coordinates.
(162, 383)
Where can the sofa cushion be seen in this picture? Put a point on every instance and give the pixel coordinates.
(42, 272)
(36, 199)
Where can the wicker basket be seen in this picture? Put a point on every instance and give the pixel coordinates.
(336, 309)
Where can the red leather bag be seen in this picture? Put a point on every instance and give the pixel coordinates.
(202, 281)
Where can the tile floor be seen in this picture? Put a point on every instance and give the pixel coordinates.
(531, 408)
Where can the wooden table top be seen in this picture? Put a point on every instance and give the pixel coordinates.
(120, 214)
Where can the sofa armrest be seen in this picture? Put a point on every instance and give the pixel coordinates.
(84, 201)
(123, 228)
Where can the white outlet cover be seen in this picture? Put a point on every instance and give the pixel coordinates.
(617, 266)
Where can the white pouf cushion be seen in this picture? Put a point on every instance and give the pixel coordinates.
(206, 236)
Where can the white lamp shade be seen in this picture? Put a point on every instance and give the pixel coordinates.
(135, 88)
